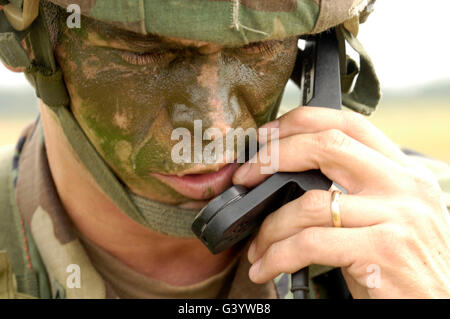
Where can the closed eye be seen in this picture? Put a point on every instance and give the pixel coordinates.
(263, 47)
(145, 58)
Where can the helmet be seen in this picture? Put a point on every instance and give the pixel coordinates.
(228, 22)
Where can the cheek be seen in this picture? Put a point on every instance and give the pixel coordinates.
(117, 105)
(270, 76)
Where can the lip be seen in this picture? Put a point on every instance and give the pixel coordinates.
(200, 186)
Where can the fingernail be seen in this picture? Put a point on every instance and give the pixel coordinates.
(240, 174)
(251, 252)
(254, 270)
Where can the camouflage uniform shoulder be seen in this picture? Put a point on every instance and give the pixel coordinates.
(12, 247)
(18, 254)
(9, 228)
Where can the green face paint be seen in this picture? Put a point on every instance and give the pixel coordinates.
(128, 93)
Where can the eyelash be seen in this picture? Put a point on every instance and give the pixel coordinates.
(137, 58)
(266, 47)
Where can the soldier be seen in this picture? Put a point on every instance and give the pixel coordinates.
(92, 205)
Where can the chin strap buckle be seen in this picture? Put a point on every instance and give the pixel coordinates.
(43, 72)
(21, 18)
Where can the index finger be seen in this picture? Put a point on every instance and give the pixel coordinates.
(306, 119)
(336, 247)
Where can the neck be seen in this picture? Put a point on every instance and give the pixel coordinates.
(169, 259)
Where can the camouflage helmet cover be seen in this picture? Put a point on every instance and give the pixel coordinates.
(228, 22)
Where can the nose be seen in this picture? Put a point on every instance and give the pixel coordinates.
(207, 94)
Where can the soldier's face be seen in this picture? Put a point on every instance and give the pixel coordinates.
(129, 92)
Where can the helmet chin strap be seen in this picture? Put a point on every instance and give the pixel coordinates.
(164, 219)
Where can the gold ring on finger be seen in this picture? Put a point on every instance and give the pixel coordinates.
(335, 211)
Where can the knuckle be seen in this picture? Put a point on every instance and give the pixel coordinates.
(332, 140)
(275, 256)
(313, 200)
(410, 212)
(405, 237)
(264, 230)
(392, 239)
(355, 120)
(424, 178)
(308, 238)
(417, 213)
(302, 115)
(426, 186)
(268, 220)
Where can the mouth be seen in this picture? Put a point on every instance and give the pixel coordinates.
(200, 186)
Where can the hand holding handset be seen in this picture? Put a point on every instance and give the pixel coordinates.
(238, 212)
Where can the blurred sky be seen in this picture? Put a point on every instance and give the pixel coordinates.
(407, 39)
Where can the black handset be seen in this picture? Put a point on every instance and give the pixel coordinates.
(238, 212)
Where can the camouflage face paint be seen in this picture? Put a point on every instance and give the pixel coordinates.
(128, 92)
